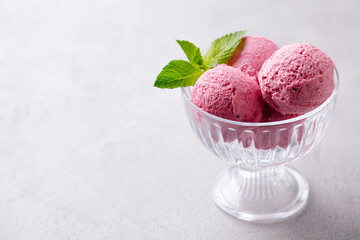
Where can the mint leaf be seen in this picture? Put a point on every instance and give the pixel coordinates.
(192, 52)
(178, 73)
(222, 49)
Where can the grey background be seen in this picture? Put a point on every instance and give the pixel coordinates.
(90, 150)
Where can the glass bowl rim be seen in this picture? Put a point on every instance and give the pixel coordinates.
(332, 97)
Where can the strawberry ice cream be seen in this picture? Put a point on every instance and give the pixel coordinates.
(271, 115)
(229, 93)
(297, 78)
(251, 53)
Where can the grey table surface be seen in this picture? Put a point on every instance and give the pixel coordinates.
(90, 150)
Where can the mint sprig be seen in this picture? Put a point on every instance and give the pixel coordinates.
(180, 73)
(223, 48)
(192, 52)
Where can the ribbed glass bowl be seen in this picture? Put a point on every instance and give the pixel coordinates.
(257, 186)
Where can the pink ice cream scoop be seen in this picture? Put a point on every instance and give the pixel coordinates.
(252, 53)
(297, 78)
(228, 93)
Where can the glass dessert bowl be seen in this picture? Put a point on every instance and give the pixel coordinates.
(256, 186)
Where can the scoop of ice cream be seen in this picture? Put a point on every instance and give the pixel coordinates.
(297, 78)
(271, 115)
(252, 51)
(228, 93)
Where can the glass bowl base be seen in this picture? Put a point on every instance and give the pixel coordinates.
(269, 195)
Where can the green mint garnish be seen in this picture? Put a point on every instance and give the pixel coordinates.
(192, 52)
(180, 73)
(222, 49)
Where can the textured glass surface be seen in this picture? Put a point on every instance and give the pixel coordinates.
(258, 145)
